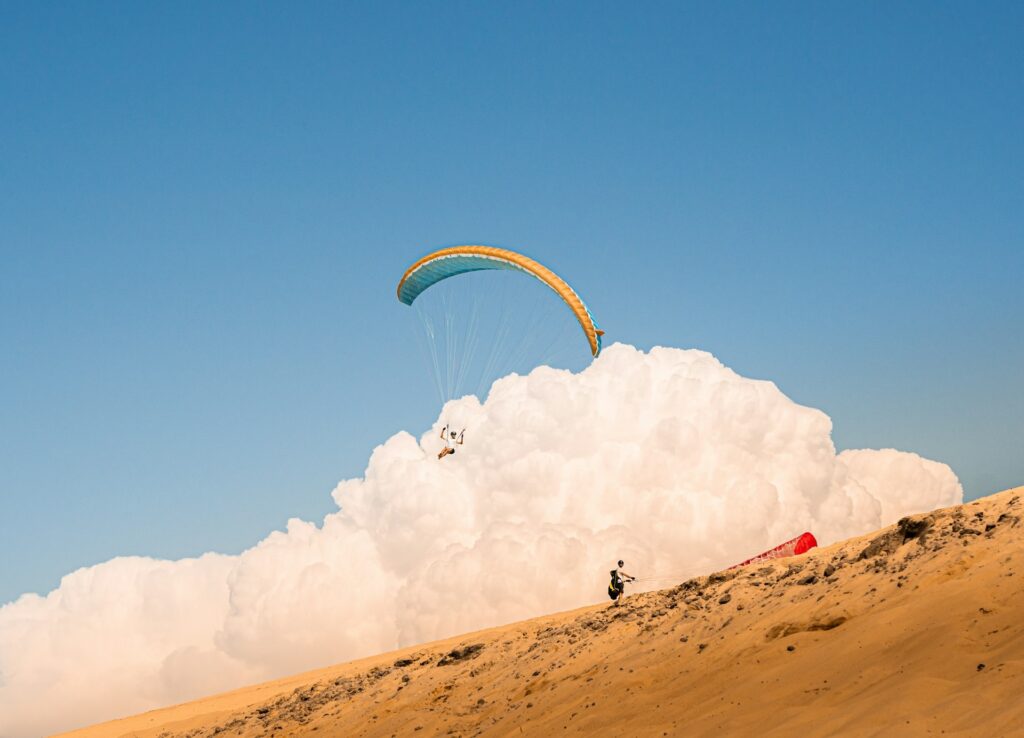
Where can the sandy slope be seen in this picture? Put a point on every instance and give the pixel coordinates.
(917, 629)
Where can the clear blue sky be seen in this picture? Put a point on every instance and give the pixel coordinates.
(204, 211)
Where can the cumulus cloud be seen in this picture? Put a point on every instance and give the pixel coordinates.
(667, 459)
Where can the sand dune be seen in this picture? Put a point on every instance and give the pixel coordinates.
(917, 629)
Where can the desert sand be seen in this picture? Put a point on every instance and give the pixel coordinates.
(917, 629)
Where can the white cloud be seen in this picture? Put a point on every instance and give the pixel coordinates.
(666, 459)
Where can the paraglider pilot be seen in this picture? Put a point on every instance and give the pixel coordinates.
(451, 439)
(617, 585)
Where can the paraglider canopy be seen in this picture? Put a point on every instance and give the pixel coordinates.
(801, 544)
(456, 260)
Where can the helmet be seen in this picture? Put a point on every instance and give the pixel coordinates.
(621, 563)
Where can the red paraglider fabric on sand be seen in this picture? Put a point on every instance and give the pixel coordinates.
(801, 544)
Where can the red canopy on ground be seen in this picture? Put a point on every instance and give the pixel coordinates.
(801, 544)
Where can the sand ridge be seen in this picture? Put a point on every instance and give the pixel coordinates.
(913, 630)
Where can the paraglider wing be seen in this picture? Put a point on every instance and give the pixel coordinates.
(450, 262)
(801, 544)
(804, 544)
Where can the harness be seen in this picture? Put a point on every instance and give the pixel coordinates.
(615, 586)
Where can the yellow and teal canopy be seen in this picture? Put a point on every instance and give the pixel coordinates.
(455, 260)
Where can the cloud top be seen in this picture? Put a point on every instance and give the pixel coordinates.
(667, 459)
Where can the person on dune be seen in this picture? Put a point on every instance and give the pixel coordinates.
(451, 439)
(617, 585)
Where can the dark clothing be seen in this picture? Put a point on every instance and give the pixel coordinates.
(616, 586)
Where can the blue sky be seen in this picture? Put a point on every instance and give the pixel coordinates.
(204, 212)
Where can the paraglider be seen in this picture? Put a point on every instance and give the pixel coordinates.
(451, 439)
(617, 585)
(476, 329)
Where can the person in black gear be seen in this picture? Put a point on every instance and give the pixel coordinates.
(617, 585)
